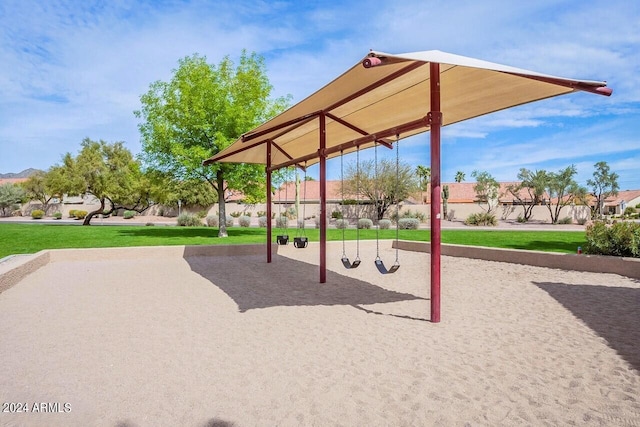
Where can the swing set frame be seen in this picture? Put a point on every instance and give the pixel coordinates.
(386, 95)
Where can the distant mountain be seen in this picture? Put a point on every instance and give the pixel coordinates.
(24, 174)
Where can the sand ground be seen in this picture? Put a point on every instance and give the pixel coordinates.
(234, 341)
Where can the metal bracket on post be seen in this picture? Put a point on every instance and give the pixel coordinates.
(434, 118)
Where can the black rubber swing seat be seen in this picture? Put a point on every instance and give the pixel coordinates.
(382, 269)
(283, 239)
(300, 242)
(348, 264)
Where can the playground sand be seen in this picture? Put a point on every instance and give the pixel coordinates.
(234, 341)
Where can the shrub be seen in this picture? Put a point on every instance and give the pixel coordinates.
(80, 214)
(57, 215)
(365, 223)
(213, 221)
(128, 214)
(236, 214)
(336, 215)
(187, 219)
(409, 223)
(521, 219)
(202, 214)
(150, 224)
(37, 214)
(261, 213)
(620, 239)
(262, 221)
(282, 222)
(409, 214)
(630, 210)
(244, 221)
(228, 221)
(384, 224)
(342, 223)
(582, 221)
(566, 220)
(482, 218)
(72, 213)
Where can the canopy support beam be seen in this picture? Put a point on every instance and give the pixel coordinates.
(435, 122)
(323, 199)
(268, 201)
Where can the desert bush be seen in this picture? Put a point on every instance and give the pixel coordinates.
(244, 221)
(365, 223)
(336, 215)
(409, 214)
(80, 214)
(282, 221)
(521, 219)
(408, 223)
(620, 239)
(384, 224)
(57, 215)
(262, 221)
(582, 221)
(229, 221)
(128, 214)
(72, 213)
(37, 214)
(236, 214)
(261, 213)
(187, 219)
(565, 220)
(482, 218)
(342, 223)
(212, 221)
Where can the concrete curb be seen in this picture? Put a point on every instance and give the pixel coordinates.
(629, 267)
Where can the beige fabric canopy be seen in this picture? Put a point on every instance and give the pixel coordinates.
(374, 102)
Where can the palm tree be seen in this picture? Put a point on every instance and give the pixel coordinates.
(424, 175)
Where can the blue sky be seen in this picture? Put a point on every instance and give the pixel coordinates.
(74, 69)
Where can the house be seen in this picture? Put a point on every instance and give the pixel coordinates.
(615, 205)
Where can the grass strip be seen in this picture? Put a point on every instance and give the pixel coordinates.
(31, 238)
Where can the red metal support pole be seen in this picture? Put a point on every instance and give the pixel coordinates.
(268, 169)
(436, 122)
(323, 199)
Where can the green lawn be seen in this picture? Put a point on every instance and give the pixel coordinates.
(31, 238)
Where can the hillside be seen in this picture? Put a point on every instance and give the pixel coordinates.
(24, 174)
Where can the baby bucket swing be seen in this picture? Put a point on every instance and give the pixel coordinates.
(283, 238)
(345, 259)
(378, 261)
(301, 241)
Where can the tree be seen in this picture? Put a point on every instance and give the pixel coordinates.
(424, 175)
(562, 189)
(11, 195)
(110, 174)
(603, 184)
(201, 111)
(533, 184)
(383, 188)
(487, 189)
(459, 176)
(44, 186)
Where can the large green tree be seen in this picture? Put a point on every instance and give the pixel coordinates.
(44, 186)
(201, 111)
(603, 185)
(110, 174)
(383, 186)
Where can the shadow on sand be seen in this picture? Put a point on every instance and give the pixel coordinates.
(611, 312)
(252, 283)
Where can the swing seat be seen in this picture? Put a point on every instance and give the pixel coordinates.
(348, 264)
(300, 242)
(283, 239)
(382, 269)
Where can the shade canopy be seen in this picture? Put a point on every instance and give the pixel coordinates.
(385, 95)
